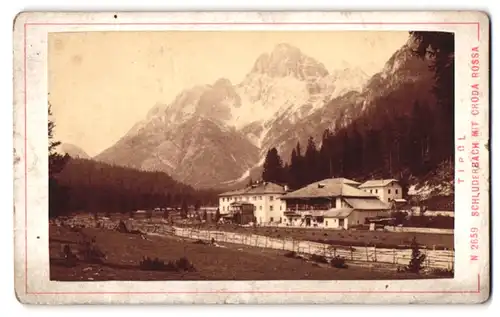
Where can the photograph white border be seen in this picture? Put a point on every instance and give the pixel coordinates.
(471, 282)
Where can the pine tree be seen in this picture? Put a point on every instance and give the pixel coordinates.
(439, 48)
(184, 209)
(417, 258)
(273, 167)
(295, 170)
(56, 160)
(311, 162)
(325, 164)
(197, 205)
(58, 194)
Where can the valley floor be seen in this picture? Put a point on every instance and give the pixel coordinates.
(211, 262)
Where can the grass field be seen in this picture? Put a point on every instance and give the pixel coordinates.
(227, 262)
(381, 239)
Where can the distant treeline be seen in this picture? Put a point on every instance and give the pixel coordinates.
(91, 186)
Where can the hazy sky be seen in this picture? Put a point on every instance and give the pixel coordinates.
(102, 83)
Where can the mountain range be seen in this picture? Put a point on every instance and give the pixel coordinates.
(217, 135)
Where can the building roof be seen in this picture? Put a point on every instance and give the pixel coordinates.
(338, 213)
(257, 189)
(367, 203)
(377, 183)
(331, 187)
(348, 181)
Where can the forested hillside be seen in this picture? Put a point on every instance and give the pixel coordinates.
(87, 185)
(407, 134)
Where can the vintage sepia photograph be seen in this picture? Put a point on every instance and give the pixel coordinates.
(251, 158)
(251, 155)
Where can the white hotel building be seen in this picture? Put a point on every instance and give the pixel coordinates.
(265, 196)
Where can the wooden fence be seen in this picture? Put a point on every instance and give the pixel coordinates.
(443, 259)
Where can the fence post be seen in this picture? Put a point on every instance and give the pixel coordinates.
(394, 256)
(375, 253)
(265, 242)
(453, 260)
(283, 243)
(427, 257)
(366, 251)
(334, 252)
(351, 249)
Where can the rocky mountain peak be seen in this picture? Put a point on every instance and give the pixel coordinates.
(287, 60)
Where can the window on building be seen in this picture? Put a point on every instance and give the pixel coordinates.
(326, 223)
(280, 208)
(334, 203)
(271, 219)
(376, 191)
(223, 208)
(396, 191)
(389, 190)
(260, 207)
(270, 208)
(260, 197)
(281, 220)
(370, 191)
(254, 197)
(271, 198)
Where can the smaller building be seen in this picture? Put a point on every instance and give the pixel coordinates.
(386, 190)
(240, 213)
(339, 218)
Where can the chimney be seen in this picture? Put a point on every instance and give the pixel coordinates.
(285, 188)
(321, 185)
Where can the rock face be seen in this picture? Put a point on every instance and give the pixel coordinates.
(218, 134)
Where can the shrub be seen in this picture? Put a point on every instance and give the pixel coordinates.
(122, 227)
(338, 262)
(443, 272)
(318, 258)
(200, 242)
(91, 253)
(183, 264)
(70, 259)
(417, 258)
(148, 264)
